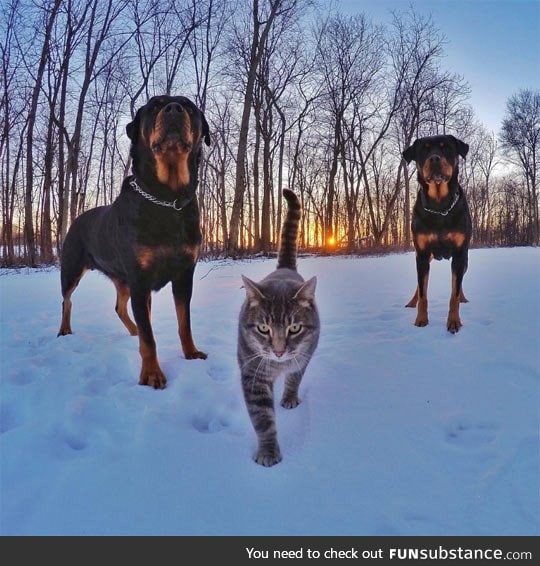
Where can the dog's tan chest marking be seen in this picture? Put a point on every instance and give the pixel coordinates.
(148, 255)
(438, 191)
(424, 240)
(457, 238)
(173, 172)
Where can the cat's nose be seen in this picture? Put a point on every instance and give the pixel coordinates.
(279, 354)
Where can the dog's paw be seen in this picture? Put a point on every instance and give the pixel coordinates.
(64, 331)
(413, 302)
(196, 355)
(453, 324)
(153, 378)
(421, 321)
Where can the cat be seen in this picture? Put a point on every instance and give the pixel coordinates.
(278, 332)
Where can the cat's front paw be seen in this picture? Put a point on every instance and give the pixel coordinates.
(268, 458)
(290, 402)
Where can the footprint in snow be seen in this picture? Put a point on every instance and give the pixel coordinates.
(76, 442)
(10, 417)
(210, 421)
(219, 374)
(388, 316)
(471, 435)
(19, 377)
(67, 444)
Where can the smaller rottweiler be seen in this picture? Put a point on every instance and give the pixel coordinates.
(441, 221)
(150, 235)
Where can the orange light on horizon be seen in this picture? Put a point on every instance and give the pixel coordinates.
(331, 241)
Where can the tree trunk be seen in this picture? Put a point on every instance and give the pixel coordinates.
(407, 206)
(29, 234)
(257, 48)
(329, 216)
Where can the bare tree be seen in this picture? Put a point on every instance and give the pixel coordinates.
(477, 174)
(520, 138)
(49, 16)
(278, 70)
(326, 113)
(429, 93)
(13, 123)
(263, 15)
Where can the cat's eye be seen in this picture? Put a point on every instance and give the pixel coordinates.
(263, 328)
(295, 328)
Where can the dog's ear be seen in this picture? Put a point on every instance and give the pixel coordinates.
(205, 130)
(132, 129)
(410, 153)
(462, 147)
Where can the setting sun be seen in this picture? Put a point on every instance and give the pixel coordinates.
(331, 241)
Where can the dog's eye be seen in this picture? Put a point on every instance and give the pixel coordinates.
(263, 328)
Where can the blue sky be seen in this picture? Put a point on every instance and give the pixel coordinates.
(493, 44)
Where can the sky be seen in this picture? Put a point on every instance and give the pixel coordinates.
(400, 431)
(493, 44)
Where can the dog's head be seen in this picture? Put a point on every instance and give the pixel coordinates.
(437, 160)
(166, 137)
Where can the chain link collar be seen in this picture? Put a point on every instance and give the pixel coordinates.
(440, 212)
(168, 204)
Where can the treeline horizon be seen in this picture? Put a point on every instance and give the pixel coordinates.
(296, 97)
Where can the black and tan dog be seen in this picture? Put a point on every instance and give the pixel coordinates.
(150, 235)
(441, 222)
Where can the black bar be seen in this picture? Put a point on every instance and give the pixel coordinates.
(260, 550)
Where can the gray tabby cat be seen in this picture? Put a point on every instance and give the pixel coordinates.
(278, 332)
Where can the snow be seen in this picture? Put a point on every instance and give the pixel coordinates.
(402, 430)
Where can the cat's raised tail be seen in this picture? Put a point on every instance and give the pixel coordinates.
(289, 232)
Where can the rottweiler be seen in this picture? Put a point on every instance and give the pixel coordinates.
(150, 235)
(441, 221)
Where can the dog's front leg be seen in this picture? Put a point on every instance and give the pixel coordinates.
(151, 374)
(182, 288)
(459, 266)
(422, 270)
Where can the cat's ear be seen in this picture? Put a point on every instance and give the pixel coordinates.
(253, 293)
(306, 294)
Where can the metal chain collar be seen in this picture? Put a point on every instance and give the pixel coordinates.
(153, 199)
(444, 212)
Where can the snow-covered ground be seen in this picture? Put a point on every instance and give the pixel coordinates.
(402, 430)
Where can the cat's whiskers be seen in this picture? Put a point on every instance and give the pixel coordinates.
(294, 356)
(251, 358)
(256, 374)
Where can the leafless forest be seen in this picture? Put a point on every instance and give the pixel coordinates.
(296, 96)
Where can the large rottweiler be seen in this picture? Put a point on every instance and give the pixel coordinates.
(441, 222)
(150, 235)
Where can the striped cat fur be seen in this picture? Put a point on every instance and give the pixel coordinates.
(278, 332)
